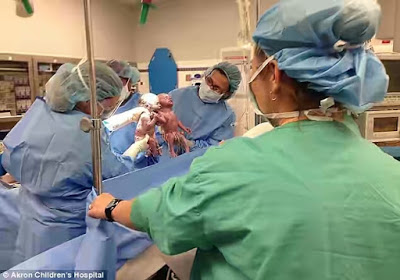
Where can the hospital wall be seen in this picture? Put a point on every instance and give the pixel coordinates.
(191, 29)
(57, 29)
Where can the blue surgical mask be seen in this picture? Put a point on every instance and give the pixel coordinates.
(207, 95)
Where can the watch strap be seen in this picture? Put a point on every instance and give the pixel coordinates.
(110, 207)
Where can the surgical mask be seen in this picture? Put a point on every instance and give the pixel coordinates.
(207, 95)
(107, 111)
(127, 89)
(253, 100)
(324, 113)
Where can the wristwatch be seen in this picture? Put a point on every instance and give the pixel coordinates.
(110, 207)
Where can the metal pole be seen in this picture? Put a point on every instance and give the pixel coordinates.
(96, 121)
(258, 6)
(257, 118)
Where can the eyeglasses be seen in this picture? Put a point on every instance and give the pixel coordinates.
(213, 87)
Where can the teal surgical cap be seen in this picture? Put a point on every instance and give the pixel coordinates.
(321, 43)
(135, 77)
(70, 85)
(124, 70)
(231, 72)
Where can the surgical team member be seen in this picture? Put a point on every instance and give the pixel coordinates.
(50, 156)
(204, 109)
(124, 137)
(310, 199)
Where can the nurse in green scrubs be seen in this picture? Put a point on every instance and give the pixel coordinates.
(311, 199)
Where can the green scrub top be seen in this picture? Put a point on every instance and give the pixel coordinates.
(308, 200)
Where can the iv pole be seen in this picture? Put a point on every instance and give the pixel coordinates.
(94, 125)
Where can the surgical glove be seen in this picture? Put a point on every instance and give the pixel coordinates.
(120, 120)
(137, 147)
(190, 143)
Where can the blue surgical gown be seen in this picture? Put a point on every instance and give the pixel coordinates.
(51, 157)
(124, 137)
(210, 123)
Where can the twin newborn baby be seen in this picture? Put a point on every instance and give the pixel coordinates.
(157, 110)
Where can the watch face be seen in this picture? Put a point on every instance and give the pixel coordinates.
(112, 202)
(110, 207)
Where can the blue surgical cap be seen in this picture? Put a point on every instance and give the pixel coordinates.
(231, 72)
(124, 70)
(321, 42)
(70, 85)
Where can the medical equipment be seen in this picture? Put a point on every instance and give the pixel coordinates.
(382, 122)
(15, 84)
(195, 79)
(163, 72)
(146, 5)
(24, 8)
(380, 126)
(95, 128)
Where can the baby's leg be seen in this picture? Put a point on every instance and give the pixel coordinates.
(184, 142)
(153, 147)
(171, 141)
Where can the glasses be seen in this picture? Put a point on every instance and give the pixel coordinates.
(260, 69)
(213, 87)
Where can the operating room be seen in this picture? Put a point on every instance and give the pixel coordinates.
(182, 139)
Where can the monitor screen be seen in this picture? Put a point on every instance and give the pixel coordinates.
(393, 70)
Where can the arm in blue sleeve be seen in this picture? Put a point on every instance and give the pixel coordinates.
(114, 164)
(224, 132)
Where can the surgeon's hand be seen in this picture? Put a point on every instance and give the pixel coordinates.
(98, 206)
(190, 143)
(121, 214)
(137, 147)
(136, 112)
(8, 179)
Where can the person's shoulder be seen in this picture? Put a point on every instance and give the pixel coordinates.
(232, 153)
(229, 108)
